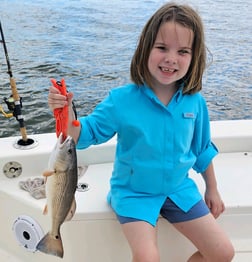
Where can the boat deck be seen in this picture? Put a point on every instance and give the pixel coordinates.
(7, 257)
(232, 180)
(95, 222)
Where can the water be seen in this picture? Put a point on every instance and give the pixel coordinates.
(90, 43)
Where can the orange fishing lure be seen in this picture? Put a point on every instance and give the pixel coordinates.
(61, 114)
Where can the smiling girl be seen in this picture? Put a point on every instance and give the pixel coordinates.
(162, 124)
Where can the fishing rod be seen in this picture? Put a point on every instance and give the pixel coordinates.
(14, 103)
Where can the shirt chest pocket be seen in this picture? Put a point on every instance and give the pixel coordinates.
(188, 120)
(185, 129)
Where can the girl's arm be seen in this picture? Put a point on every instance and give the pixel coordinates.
(212, 196)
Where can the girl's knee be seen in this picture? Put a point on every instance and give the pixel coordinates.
(228, 253)
(224, 254)
(149, 255)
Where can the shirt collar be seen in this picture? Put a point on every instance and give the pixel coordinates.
(176, 97)
(179, 94)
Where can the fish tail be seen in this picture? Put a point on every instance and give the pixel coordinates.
(51, 245)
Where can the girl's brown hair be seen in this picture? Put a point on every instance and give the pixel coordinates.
(185, 16)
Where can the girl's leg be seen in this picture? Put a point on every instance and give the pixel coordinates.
(142, 238)
(208, 237)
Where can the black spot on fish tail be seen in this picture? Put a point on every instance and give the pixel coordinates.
(51, 245)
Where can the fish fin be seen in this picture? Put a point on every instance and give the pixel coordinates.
(48, 173)
(45, 211)
(71, 211)
(51, 245)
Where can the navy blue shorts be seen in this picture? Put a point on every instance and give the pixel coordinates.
(173, 213)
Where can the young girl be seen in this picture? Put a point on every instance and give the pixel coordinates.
(162, 124)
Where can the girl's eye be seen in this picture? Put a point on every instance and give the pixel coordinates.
(161, 47)
(184, 51)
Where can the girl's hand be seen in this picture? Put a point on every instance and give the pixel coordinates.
(56, 100)
(214, 202)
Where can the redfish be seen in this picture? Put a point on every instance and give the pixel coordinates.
(61, 183)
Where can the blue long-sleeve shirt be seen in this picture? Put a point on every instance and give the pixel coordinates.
(156, 147)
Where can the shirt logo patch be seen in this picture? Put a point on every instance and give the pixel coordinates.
(188, 115)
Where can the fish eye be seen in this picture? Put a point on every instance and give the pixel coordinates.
(70, 151)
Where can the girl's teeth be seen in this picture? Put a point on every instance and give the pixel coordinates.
(167, 70)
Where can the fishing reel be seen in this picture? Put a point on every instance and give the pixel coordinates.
(11, 107)
(10, 102)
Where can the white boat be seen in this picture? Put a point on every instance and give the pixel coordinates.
(94, 235)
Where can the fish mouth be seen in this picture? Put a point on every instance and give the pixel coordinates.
(62, 141)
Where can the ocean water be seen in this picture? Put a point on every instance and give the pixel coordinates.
(90, 43)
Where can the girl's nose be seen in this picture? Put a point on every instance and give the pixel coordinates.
(170, 59)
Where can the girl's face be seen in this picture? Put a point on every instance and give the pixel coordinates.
(171, 55)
